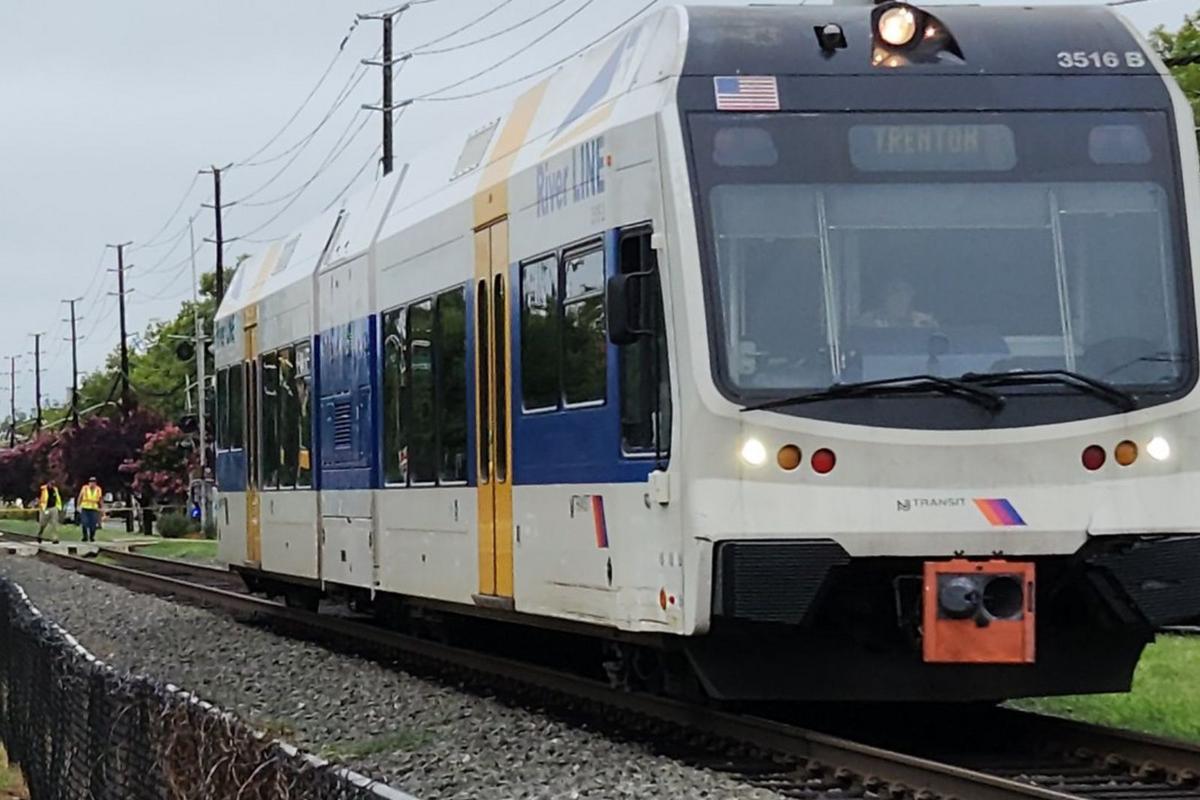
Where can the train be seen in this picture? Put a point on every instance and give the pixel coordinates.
(818, 353)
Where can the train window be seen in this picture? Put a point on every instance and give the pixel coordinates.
(422, 447)
(540, 333)
(289, 418)
(501, 344)
(302, 380)
(395, 441)
(744, 147)
(1118, 144)
(270, 421)
(236, 406)
(584, 345)
(645, 380)
(250, 415)
(483, 373)
(222, 409)
(452, 385)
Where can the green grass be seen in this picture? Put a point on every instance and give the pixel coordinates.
(198, 549)
(11, 785)
(398, 741)
(1165, 699)
(187, 549)
(114, 529)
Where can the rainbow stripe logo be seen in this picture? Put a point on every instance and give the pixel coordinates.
(999, 512)
(599, 521)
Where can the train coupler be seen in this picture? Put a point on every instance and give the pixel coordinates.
(978, 612)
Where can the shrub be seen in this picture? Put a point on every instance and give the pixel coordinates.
(28, 514)
(210, 530)
(175, 526)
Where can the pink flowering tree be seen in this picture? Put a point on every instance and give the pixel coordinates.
(160, 472)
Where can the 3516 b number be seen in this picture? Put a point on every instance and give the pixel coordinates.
(1106, 60)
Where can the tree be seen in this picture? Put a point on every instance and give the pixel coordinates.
(160, 472)
(100, 446)
(1179, 49)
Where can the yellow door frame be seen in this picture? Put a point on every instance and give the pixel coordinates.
(493, 410)
(253, 501)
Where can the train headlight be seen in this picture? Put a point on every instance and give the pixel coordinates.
(754, 452)
(898, 26)
(1159, 448)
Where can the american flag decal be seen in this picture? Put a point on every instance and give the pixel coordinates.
(747, 93)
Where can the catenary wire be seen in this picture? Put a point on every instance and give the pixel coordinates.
(514, 54)
(248, 161)
(513, 82)
(425, 51)
(462, 28)
(152, 241)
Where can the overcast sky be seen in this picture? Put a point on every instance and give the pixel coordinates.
(108, 109)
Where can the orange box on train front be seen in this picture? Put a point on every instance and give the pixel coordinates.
(979, 612)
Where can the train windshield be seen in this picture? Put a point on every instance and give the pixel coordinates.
(849, 247)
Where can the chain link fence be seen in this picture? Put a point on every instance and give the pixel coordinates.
(79, 730)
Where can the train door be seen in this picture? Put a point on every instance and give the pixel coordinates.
(253, 500)
(493, 413)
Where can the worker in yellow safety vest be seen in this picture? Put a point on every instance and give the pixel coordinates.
(91, 502)
(49, 508)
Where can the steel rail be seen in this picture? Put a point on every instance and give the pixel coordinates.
(872, 765)
(1140, 751)
(131, 556)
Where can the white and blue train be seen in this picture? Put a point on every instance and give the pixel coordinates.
(813, 353)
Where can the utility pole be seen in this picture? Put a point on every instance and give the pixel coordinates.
(120, 248)
(74, 362)
(37, 381)
(388, 18)
(217, 208)
(12, 400)
(201, 379)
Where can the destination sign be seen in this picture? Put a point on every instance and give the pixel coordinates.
(932, 148)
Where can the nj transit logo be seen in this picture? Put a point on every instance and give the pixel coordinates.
(999, 512)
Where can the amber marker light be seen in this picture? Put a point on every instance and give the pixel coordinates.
(789, 457)
(1126, 453)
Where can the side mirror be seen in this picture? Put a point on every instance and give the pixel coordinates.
(625, 297)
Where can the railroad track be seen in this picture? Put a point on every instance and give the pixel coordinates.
(1022, 755)
(195, 572)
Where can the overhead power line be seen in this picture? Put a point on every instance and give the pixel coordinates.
(423, 50)
(248, 161)
(428, 98)
(496, 8)
(514, 54)
(153, 242)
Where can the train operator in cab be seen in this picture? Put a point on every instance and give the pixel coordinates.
(897, 309)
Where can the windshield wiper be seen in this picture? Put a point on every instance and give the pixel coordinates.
(1063, 377)
(911, 384)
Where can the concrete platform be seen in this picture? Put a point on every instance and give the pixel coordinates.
(24, 550)
(71, 548)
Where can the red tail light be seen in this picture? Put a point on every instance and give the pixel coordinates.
(823, 461)
(1093, 457)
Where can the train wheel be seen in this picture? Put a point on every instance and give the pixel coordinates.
(302, 599)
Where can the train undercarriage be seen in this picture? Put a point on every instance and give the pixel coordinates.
(847, 630)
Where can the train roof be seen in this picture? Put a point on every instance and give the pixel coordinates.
(994, 40)
(628, 76)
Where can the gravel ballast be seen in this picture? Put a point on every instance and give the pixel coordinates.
(427, 739)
